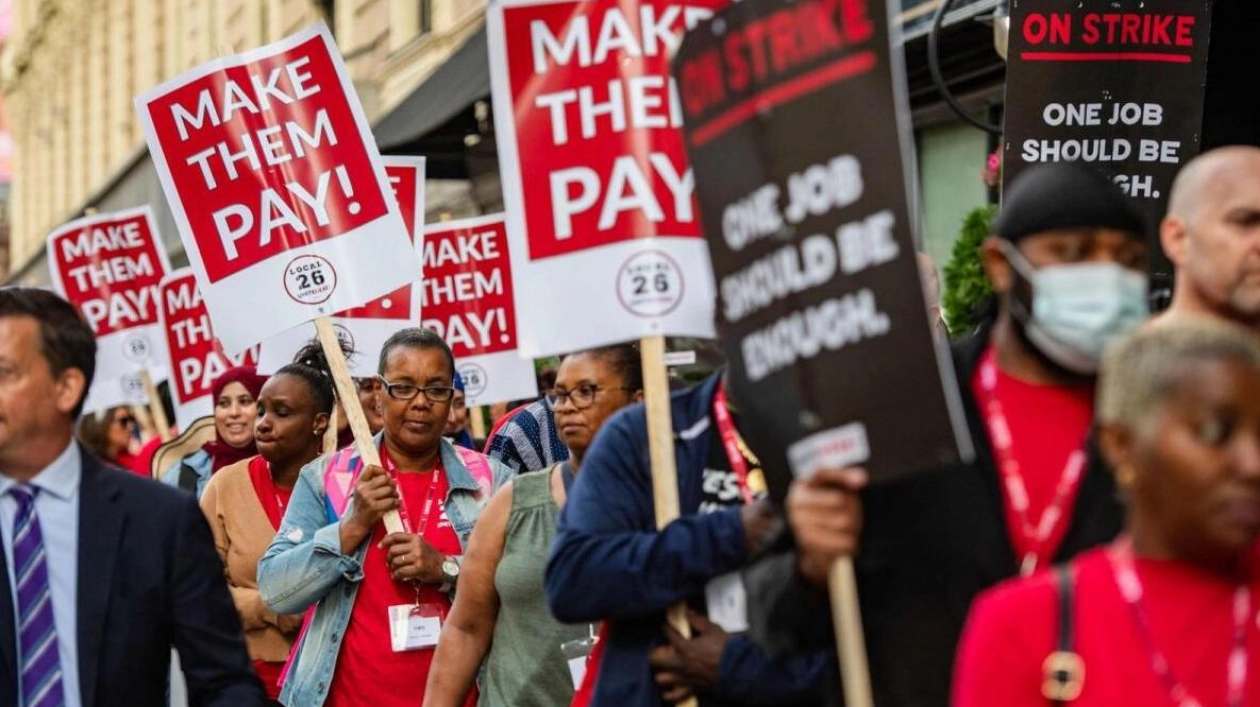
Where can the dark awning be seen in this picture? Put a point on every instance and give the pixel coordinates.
(463, 79)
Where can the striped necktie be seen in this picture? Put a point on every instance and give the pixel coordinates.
(37, 635)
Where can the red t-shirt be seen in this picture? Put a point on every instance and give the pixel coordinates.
(132, 462)
(1048, 424)
(1014, 626)
(369, 673)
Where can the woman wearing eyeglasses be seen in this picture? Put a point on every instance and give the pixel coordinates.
(110, 435)
(501, 616)
(379, 600)
(1166, 615)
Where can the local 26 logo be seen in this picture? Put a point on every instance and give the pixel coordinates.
(650, 284)
(310, 279)
(475, 379)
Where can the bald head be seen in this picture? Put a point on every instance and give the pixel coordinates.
(1212, 235)
(1204, 177)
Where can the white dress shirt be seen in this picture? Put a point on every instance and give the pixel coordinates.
(57, 505)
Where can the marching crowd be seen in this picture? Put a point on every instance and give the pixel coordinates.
(1098, 550)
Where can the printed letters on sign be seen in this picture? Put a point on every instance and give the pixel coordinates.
(197, 357)
(597, 187)
(218, 155)
(276, 186)
(590, 107)
(1118, 87)
(812, 243)
(365, 328)
(467, 297)
(109, 266)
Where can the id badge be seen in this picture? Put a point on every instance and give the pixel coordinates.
(576, 654)
(727, 602)
(414, 626)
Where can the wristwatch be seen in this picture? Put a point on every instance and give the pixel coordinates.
(450, 573)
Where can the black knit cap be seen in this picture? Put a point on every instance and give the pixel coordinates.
(1062, 196)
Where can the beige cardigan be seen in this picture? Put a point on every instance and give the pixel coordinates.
(242, 533)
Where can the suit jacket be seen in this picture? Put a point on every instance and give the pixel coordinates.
(148, 579)
(930, 544)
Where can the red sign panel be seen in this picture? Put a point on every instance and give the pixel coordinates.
(266, 156)
(466, 294)
(109, 267)
(597, 120)
(407, 181)
(197, 357)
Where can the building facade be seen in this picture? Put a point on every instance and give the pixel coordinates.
(70, 69)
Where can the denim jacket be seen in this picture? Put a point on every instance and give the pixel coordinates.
(201, 464)
(304, 566)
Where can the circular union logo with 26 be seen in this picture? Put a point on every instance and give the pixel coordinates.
(474, 379)
(650, 284)
(310, 279)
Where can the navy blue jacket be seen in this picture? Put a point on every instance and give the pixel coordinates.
(149, 579)
(609, 562)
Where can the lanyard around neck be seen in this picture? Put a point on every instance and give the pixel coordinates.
(1124, 569)
(1037, 534)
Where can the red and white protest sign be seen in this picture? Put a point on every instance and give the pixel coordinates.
(467, 297)
(366, 328)
(274, 181)
(197, 357)
(603, 226)
(109, 266)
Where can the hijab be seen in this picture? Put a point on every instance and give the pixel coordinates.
(221, 453)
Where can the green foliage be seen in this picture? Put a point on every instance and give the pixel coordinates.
(965, 283)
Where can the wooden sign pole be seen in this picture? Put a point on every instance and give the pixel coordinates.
(661, 452)
(331, 434)
(477, 421)
(349, 396)
(156, 411)
(846, 616)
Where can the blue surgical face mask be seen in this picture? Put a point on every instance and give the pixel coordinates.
(1080, 308)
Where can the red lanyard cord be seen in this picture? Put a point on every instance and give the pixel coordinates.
(1124, 569)
(1037, 534)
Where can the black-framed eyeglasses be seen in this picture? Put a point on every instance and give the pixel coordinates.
(408, 391)
(582, 396)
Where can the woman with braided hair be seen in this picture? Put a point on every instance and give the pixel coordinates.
(246, 501)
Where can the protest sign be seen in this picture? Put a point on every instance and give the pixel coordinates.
(274, 181)
(109, 267)
(365, 328)
(197, 357)
(820, 309)
(798, 128)
(467, 297)
(596, 185)
(1118, 84)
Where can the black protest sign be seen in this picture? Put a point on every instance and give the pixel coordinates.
(796, 126)
(1116, 83)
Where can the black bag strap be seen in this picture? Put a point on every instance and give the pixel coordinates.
(188, 478)
(1063, 577)
(1064, 670)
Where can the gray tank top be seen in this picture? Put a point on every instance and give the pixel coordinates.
(525, 667)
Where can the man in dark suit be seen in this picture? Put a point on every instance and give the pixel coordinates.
(103, 571)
